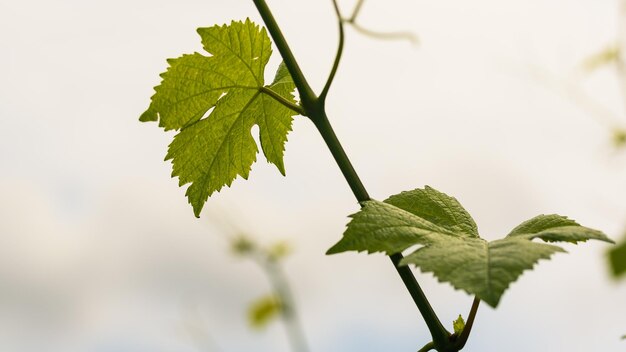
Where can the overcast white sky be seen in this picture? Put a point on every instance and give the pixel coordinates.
(99, 250)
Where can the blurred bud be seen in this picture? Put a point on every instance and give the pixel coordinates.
(242, 245)
(278, 251)
(263, 310)
(619, 137)
(605, 57)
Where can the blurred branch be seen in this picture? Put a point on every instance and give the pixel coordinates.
(574, 93)
(195, 328)
(621, 44)
(269, 259)
(400, 35)
(355, 12)
(386, 35)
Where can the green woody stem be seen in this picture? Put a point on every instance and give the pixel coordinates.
(314, 109)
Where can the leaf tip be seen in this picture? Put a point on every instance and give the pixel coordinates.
(335, 249)
(149, 115)
(281, 168)
(196, 210)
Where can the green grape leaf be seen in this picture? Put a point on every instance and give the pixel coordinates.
(209, 152)
(263, 310)
(458, 325)
(617, 258)
(450, 247)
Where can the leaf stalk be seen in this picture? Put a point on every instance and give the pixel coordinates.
(283, 101)
(307, 96)
(333, 70)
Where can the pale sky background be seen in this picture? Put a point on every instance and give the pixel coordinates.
(100, 252)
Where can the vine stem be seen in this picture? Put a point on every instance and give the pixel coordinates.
(439, 333)
(314, 108)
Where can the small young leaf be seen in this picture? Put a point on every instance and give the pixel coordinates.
(458, 325)
(451, 248)
(210, 152)
(617, 258)
(262, 311)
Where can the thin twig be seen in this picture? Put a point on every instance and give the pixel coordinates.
(278, 280)
(355, 12)
(428, 347)
(577, 95)
(333, 71)
(295, 107)
(411, 37)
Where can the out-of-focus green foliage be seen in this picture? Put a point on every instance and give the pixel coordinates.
(617, 258)
(263, 310)
(243, 245)
(607, 56)
(278, 250)
(619, 137)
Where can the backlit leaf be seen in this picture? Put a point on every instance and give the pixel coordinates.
(209, 152)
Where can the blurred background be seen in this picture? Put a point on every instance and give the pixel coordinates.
(99, 250)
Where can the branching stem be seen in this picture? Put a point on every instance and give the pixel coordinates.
(333, 70)
(355, 12)
(385, 35)
(376, 34)
(314, 108)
